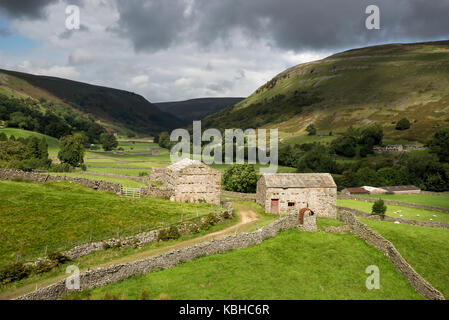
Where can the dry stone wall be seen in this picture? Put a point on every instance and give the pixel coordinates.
(241, 196)
(374, 239)
(431, 224)
(396, 203)
(104, 276)
(9, 175)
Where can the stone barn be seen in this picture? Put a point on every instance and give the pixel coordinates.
(291, 192)
(191, 181)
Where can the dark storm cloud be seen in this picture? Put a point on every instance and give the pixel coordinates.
(288, 24)
(25, 8)
(32, 9)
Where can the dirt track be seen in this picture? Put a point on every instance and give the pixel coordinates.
(247, 218)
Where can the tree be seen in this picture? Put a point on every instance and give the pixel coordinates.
(3, 136)
(345, 146)
(379, 208)
(440, 144)
(311, 130)
(33, 148)
(403, 124)
(240, 178)
(317, 159)
(72, 150)
(108, 141)
(43, 149)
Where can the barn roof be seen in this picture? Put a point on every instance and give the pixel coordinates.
(299, 180)
(401, 188)
(184, 163)
(356, 190)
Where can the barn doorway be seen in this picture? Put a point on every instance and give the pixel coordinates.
(275, 206)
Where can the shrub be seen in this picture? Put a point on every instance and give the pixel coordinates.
(42, 267)
(173, 233)
(63, 167)
(14, 272)
(143, 174)
(162, 235)
(58, 258)
(194, 229)
(403, 124)
(379, 208)
(106, 246)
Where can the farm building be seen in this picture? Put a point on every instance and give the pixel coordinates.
(290, 192)
(402, 189)
(351, 191)
(191, 181)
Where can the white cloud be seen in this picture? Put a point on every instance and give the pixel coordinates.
(140, 81)
(81, 57)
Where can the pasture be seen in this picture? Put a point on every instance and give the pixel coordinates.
(423, 199)
(61, 215)
(426, 249)
(405, 212)
(294, 265)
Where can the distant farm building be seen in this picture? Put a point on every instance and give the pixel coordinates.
(191, 181)
(374, 190)
(351, 191)
(397, 148)
(402, 189)
(287, 193)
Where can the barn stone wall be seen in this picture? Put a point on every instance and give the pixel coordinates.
(323, 201)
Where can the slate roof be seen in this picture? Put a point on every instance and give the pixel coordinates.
(401, 188)
(356, 190)
(299, 180)
(184, 163)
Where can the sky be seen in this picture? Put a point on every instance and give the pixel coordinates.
(170, 50)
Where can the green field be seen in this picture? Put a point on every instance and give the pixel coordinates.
(424, 199)
(53, 144)
(426, 249)
(60, 215)
(294, 265)
(406, 212)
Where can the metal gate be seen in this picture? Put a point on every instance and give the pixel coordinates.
(130, 192)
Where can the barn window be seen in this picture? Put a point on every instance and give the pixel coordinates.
(291, 204)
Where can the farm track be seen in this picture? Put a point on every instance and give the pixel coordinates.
(247, 219)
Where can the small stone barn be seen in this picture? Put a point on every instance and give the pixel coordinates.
(291, 192)
(191, 181)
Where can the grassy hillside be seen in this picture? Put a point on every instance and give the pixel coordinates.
(53, 143)
(196, 109)
(117, 109)
(379, 84)
(61, 215)
(294, 265)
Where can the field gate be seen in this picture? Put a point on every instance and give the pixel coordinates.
(130, 192)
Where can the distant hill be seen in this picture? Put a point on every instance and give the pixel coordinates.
(197, 109)
(380, 84)
(117, 109)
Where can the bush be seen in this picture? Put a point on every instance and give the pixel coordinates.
(63, 167)
(14, 272)
(143, 174)
(379, 208)
(171, 233)
(42, 267)
(240, 178)
(403, 124)
(58, 258)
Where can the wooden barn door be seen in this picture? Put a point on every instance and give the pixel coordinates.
(275, 206)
